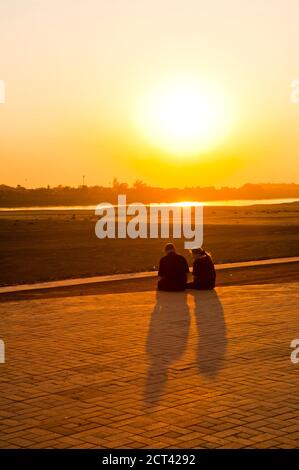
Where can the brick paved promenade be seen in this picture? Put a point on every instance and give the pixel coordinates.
(136, 370)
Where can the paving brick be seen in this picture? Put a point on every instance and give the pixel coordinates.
(133, 370)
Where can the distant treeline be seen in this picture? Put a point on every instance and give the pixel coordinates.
(138, 192)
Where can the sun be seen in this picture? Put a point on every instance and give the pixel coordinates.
(184, 118)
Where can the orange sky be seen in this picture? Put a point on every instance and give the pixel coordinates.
(75, 71)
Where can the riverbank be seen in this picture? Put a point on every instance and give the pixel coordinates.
(50, 245)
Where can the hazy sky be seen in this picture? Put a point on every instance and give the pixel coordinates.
(75, 71)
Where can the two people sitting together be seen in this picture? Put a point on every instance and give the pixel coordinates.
(174, 269)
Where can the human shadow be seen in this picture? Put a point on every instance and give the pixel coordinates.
(166, 340)
(211, 333)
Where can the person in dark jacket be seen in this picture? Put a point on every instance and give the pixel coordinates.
(204, 274)
(173, 270)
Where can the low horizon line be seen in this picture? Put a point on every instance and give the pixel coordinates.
(140, 183)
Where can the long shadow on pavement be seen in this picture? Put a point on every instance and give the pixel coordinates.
(211, 337)
(166, 341)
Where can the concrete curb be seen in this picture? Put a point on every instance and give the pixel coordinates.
(141, 275)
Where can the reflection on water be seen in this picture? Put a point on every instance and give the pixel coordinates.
(230, 203)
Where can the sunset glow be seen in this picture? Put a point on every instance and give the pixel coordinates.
(172, 93)
(184, 117)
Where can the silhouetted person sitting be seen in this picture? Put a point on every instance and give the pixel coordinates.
(204, 274)
(173, 269)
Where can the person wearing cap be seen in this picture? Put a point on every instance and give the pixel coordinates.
(204, 274)
(173, 270)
